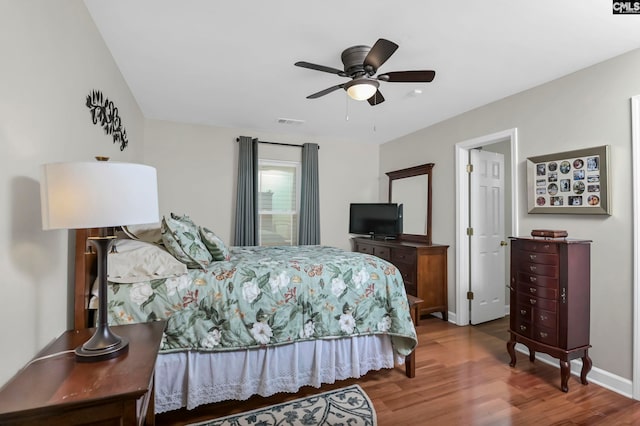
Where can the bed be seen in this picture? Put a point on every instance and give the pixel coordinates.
(254, 320)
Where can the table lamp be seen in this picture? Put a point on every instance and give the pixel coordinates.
(99, 194)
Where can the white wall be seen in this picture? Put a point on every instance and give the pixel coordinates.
(197, 174)
(585, 109)
(52, 57)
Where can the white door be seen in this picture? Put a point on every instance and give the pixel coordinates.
(487, 242)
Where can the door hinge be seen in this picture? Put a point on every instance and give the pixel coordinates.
(469, 231)
(469, 168)
(469, 295)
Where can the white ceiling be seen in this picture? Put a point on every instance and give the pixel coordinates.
(230, 63)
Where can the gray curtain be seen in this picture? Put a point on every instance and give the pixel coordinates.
(246, 230)
(309, 223)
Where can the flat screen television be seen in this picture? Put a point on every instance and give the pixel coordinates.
(378, 220)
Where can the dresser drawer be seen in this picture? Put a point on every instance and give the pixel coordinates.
(382, 253)
(537, 302)
(524, 327)
(364, 248)
(540, 258)
(540, 247)
(407, 270)
(537, 280)
(545, 335)
(524, 312)
(534, 290)
(374, 250)
(539, 269)
(403, 256)
(545, 318)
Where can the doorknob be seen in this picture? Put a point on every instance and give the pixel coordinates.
(503, 243)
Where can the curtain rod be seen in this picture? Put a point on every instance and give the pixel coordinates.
(277, 143)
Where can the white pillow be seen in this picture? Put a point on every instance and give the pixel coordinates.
(137, 261)
(149, 232)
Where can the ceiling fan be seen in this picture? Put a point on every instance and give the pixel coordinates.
(360, 64)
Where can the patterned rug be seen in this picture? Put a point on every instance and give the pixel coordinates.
(346, 406)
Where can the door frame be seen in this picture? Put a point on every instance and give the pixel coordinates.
(635, 170)
(462, 209)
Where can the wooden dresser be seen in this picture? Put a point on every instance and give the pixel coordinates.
(550, 301)
(423, 268)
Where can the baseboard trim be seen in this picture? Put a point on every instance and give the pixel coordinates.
(597, 375)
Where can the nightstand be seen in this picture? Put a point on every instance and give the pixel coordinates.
(61, 391)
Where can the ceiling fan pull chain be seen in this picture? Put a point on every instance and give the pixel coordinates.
(346, 108)
(375, 112)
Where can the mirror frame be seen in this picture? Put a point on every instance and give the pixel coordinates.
(424, 169)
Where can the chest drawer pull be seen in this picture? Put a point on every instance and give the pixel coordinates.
(543, 334)
(532, 256)
(523, 327)
(543, 317)
(532, 289)
(532, 268)
(523, 311)
(533, 279)
(532, 301)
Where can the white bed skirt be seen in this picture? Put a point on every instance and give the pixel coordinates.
(190, 379)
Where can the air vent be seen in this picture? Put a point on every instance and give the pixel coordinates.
(290, 121)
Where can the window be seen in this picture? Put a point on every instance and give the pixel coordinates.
(278, 189)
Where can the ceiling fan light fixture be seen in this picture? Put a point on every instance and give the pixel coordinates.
(361, 89)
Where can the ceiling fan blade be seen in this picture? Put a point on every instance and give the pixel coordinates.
(376, 99)
(317, 67)
(424, 76)
(379, 53)
(325, 91)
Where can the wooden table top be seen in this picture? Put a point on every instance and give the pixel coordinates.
(61, 380)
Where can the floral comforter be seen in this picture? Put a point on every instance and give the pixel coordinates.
(271, 296)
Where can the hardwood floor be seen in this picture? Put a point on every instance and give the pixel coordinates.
(463, 378)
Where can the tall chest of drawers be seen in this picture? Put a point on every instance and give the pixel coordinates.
(423, 268)
(550, 301)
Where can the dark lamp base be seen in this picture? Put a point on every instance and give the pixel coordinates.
(103, 344)
(84, 354)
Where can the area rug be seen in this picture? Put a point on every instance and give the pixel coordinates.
(346, 406)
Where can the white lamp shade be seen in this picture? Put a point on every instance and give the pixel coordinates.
(98, 194)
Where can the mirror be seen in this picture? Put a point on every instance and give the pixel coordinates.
(411, 187)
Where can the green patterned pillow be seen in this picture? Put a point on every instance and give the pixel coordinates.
(181, 238)
(215, 245)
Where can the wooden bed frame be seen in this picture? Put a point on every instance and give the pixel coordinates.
(86, 272)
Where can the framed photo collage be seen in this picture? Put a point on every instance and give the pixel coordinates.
(573, 182)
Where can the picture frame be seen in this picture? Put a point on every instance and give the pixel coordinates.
(571, 182)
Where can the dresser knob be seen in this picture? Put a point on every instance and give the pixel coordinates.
(532, 289)
(532, 256)
(523, 311)
(532, 301)
(533, 279)
(532, 268)
(523, 327)
(543, 318)
(543, 334)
